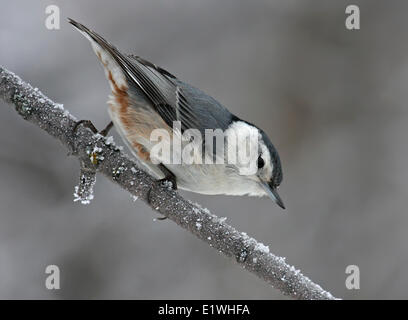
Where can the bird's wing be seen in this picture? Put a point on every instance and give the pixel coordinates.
(165, 93)
(158, 85)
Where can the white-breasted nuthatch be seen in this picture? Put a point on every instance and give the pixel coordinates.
(146, 97)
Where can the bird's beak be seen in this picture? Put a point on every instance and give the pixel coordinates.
(273, 194)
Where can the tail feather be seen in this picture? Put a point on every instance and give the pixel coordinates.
(112, 60)
(154, 83)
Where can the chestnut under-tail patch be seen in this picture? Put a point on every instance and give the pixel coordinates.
(120, 94)
(141, 151)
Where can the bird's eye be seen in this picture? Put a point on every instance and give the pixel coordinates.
(260, 162)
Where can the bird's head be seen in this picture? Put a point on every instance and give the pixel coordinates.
(261, 173)
(269, 170)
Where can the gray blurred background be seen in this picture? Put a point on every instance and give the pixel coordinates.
(333, 101)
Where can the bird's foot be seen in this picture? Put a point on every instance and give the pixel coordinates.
(169, 178)
(88, 124)
(168, 181)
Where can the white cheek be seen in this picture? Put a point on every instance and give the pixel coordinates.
(242, 147)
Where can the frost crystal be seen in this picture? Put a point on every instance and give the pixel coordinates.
(243, 256)
(95, 155)
(109, 140)
(97, 149)
(261, 247)
(195, 210)
(84, 191)
(168, 184)
(116, 172)
(59, 106)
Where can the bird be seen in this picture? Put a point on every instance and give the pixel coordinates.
(146, 98)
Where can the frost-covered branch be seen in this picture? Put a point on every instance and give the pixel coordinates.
(99, 154)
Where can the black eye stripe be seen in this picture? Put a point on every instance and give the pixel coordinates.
(260, 162)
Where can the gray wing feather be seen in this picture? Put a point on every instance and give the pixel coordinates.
(172, 104)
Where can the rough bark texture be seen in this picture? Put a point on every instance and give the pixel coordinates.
(98, 154)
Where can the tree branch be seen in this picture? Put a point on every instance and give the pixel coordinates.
(98, 154)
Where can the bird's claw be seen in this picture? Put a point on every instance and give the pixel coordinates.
(164, 183)
(88, 124)
(169, 179)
